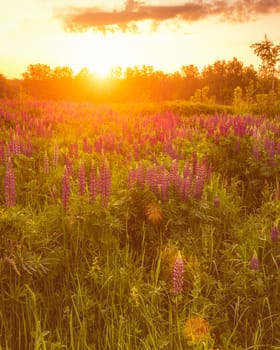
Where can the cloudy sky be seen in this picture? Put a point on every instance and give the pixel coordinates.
(101, 34)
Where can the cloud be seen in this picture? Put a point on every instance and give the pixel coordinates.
(81, 19)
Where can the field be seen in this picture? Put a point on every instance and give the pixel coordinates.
(123, 229)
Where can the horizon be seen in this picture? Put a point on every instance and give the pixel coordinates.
(163, 34)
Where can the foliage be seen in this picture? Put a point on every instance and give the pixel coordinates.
(138, 229)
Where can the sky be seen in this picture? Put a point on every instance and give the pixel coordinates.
(99, 35)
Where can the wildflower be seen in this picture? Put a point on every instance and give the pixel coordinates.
(105, 182)
(196, 329)
(10, 191)
(254, 263)
(65, 189)
(93, 183)
(178, 275)
(82, 178)
(274, 234)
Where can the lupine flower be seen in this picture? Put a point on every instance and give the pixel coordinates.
(93, 182)
(274, 234)
(10, 190)
(254, 263)
(178, 275)
(65, 194)
(105, 182)
(82, 178)
(196, 330)
(199, 179)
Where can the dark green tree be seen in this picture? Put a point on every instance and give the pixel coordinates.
(269, 53)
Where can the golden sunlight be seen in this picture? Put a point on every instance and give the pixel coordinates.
(94, 51)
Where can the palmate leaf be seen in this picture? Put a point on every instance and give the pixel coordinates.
(153, 212)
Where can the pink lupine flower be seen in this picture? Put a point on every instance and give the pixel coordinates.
(93, 182)
(82, 178)
(65, 194)
(9, 181)
(164, 186)
(254, 263)
(105, 182)
(199, 180)
(178, 275)
(187, 188)
(274, 234)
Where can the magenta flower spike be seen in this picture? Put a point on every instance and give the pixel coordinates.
(274, 234)
(178, 275)
(10, 185)
(254, 263)
(93, 182)
(65, 194)
(105, 182)
(82, 178)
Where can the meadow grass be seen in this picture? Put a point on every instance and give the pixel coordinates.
(96, 270)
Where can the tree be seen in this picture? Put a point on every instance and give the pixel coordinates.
(37, 72)
(3, 86)
(269, 55)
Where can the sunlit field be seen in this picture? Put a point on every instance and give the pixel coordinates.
(128, 228)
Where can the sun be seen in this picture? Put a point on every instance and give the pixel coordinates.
(101, 69)
(94, 52)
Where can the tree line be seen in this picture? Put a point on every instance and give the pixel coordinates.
(214, 83)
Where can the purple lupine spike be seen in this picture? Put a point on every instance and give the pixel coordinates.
(274, 234)
(187, 171)
(46, 164)
(105, 182)
(254, 263)
(141, 176)
(164, 186)
(82, 178)
(10, 185)
(187, 188)
(2, 151)
(178, 275)
(93, 182)
(65, 194)
(194, 162)
(173, 173)
(132, 178)
(199, 179)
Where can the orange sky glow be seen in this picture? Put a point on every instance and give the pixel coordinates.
(102, 34)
